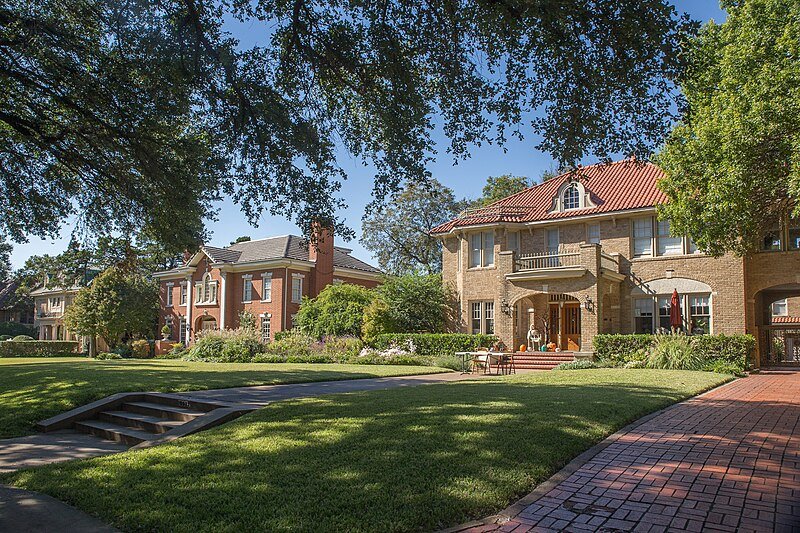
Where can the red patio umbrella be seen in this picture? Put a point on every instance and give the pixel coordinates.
(675, 319)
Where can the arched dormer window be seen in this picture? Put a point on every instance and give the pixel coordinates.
(571, 197)
(572, 194)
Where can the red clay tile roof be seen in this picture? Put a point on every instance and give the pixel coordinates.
(617, 186)
(786, 320)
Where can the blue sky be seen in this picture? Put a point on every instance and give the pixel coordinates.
(467, 178)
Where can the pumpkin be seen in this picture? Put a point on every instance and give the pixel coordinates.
(522, 348)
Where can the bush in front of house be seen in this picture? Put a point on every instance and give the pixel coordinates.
(34, 348)
(141, 349)
(337, 311)
(673, 352)
(296, 347)
(12, 329)
(107, 356)
(226, 346)
(581, 364)
(620, 349)
(719, 353)
(23, 338)
(433, 344)
(391, 356)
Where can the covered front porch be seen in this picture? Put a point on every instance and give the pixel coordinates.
(549, 321)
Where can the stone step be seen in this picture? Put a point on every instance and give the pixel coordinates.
(151, 424)
(115, 432)
(161, 410)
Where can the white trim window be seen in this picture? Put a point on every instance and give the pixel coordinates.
(553, 241)
(664, 304)
(667, 243)
(700, 314)
(482, 250)
(206, 290)
(184, 292)
(593, 234)
(247, 288)
(297, 289)
(482, 317)
(266, 287)
(512, 241)
(476, 317)
(266, 328)
(643, 315)
(169, 294)
(643, 237)
(780, 308)
(571, 197)
(182, 329)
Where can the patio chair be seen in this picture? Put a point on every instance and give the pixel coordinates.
(480, 360)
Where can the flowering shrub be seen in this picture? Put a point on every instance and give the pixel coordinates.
(226, 346)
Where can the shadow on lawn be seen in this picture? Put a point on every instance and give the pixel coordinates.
(398, 460)
(30, 392)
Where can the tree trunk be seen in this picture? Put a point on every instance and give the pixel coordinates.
(92, 347)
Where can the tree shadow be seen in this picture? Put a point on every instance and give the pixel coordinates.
(394, 460)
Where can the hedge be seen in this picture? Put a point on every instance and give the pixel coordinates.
(15, 328)
(731, 351)
(434, 344)
(39, 348)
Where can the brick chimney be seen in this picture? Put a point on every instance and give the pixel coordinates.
(320, 251)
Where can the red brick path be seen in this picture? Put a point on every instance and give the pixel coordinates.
(725, 461)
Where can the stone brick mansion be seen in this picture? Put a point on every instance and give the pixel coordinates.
(584, 253)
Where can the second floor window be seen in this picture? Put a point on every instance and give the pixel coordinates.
(593, 233)
(184, 291)
(206, 290)
(572, 197)
(667, 244)
(642, 237)
(482, 249)
(247, 289)
(169, 294)
(297, 289)
(266, 286)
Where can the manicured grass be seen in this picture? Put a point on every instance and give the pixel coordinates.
(410, 459)
(33, 389)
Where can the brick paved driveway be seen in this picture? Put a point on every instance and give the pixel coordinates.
(728, 460)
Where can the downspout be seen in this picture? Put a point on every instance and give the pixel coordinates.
(285, 292)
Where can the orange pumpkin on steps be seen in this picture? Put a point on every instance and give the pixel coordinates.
(522, 347)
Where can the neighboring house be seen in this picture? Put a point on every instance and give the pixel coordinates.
(49, 304)
(267, 277)
(584, 253)
(13, 309)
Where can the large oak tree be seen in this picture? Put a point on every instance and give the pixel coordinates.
(733, 162)
(137, 114)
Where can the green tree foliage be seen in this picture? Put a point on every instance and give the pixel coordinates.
(499, 187)
(733, 162)
(338, 310)
(136, 115)
(397, 234)
(409, 304)
(118, 302)
(243, 238)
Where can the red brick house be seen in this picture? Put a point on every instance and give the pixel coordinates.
(267, 277)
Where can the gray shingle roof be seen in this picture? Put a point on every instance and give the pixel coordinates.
(283, 247)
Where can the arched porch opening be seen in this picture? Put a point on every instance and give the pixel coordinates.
(205, 323)
(778, 337)
(552, 320)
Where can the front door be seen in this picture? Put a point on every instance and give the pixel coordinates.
(571, 327)
(565, 325)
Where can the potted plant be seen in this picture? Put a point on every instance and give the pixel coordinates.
(165, 332)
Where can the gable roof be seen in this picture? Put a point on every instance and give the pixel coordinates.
(618, 186)
(282, 247)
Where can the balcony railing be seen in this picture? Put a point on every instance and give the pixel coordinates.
(538, 261)
(609, 262)
(49, 314)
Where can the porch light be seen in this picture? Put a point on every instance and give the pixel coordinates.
(588, 304)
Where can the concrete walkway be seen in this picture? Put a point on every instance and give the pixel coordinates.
(22, 511)
(728, 460)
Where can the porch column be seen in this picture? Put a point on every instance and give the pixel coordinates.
(189, 303)
(504, 323)
(591, 302)
(223, 298)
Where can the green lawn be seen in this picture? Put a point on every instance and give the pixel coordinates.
(396, 460)
(33, 389)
